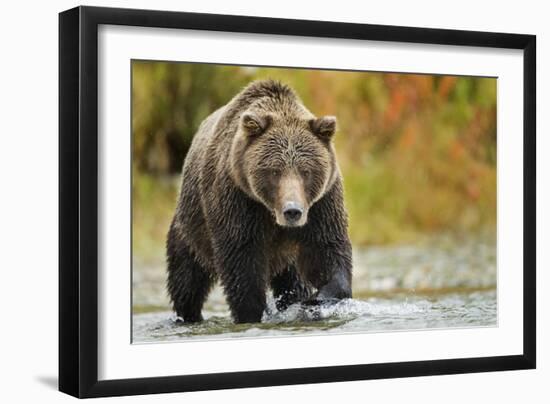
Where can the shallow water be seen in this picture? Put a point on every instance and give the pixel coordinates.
(442, 283)
(473, 309)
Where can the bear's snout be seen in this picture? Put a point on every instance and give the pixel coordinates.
(292, 212)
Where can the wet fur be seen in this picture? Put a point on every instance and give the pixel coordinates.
(222, 229)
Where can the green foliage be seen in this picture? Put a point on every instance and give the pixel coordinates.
(417, 152)
(169, 101)
(153, 204)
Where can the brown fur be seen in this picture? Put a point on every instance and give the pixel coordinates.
(247, 160)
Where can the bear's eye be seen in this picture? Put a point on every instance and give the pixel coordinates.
(306, 173)
(275, 173)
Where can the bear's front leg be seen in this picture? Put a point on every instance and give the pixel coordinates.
(338, 287)
(243, 277)
(326, 256)
(329, 268)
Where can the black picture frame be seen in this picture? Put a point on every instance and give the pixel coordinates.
(78, 200)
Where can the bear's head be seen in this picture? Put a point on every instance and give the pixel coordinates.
(284, 159)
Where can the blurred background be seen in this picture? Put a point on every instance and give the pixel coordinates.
(417, 153)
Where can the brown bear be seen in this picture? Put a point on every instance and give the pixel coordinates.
(261, 206)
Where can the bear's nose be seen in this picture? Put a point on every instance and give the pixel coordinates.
(292, 211)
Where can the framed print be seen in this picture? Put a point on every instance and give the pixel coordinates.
(251, 201)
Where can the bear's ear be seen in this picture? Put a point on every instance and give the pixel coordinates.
(324, 127)
(254, 124)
